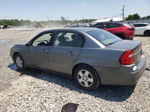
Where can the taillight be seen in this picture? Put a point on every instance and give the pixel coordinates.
(127, 58)
(131, 29)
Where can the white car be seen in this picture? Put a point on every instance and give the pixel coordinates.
(142, 29)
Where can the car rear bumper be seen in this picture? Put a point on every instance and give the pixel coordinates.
(125, 75)
(129, 36)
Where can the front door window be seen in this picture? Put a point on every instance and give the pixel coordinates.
(43, 40)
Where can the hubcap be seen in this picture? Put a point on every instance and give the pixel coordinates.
(19, 62)
(85, 78)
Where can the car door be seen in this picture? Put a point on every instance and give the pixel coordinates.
(40, 49)
(65, 50)
(139, 29)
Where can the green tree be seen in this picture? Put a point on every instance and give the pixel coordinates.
(136, 16)
(14, 22)
(146, 17)
(63, 19)
(133, 17)
(130, 17)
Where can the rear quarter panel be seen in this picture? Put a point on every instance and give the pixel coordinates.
(102, 57)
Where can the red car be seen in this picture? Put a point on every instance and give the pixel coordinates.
(122, 30)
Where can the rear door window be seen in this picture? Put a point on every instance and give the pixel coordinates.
(118, 24)
(68, 39)
(140, 25)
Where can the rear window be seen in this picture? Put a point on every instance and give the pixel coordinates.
(103, 36)
(99, 25)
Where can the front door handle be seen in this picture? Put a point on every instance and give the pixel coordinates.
(71, 53)
(45, 50)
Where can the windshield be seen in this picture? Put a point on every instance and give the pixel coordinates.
(103, 36)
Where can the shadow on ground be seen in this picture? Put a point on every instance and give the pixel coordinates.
(141, 36)
(110, 93)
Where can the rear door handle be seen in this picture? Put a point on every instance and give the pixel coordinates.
(71, 53)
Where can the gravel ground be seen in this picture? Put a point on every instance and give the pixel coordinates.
(38, 91)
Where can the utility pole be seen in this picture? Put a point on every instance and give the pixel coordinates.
(47, 18)
(123, 17)
(83, 18)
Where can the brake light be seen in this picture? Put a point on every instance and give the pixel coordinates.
(127, 58)
(131, 29)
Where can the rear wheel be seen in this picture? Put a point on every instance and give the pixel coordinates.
(120, 36)
(86, 77)
(147, 33)
(19, 62)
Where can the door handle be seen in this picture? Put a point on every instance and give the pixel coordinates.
(45, 50)
(71, 53)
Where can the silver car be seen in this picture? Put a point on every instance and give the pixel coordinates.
(92, 57)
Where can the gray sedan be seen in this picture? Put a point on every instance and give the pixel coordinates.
(91, 56)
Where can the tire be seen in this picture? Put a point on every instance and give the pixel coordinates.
(120, 36)
(86, 77)
(19, 62)
(147, 33)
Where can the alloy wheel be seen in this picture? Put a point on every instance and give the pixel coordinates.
(85, 78)
(19, 62)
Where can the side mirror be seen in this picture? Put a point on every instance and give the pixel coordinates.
(28, 44)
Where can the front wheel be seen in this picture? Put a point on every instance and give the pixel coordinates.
(86, 77)
(19, 62)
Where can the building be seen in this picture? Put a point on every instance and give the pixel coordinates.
(109, 19)
(140, 21)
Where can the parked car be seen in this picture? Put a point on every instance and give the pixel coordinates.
(122, 30)
(91, 56)
(142, 29)
(5, 26)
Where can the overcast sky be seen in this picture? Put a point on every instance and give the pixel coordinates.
(70, 9)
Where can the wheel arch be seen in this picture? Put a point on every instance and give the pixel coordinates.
(148, 30)
(14, 54)
(121, 35)
(79, 64)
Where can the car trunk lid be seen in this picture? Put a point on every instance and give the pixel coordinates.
(135, 46)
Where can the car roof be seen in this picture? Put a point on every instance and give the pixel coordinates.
(78, 29)
(141, 23)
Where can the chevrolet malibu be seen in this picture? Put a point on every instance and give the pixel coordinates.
(91, 56)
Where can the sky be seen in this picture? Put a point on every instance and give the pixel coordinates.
(37, 10)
